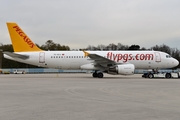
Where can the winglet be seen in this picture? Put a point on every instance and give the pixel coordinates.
(86, 54)
(20, 41)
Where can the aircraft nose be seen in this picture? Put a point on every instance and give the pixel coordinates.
(175, 62)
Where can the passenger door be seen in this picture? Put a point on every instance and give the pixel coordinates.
(42, 57)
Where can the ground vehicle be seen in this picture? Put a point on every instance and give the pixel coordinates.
(161, 75)
(19, 72)
(4, 72)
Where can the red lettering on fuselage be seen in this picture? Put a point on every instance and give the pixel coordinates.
(129, 57)
(25, 38)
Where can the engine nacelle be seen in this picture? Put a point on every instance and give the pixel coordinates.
(124, 69)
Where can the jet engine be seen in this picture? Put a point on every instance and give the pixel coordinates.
(124, 69)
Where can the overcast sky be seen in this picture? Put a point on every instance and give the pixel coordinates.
(79, 23)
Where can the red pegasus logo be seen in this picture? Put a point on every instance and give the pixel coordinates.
(25, 38)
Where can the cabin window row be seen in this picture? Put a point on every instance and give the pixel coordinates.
(68, 57)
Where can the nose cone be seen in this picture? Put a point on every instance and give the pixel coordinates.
(175, 62)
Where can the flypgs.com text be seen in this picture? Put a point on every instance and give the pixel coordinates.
(128, 57)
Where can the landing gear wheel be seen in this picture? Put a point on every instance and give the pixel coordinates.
(95, 75)
(100, 75)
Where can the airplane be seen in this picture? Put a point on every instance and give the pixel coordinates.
(110, 62)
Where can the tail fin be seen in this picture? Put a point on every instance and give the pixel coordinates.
(20, 41)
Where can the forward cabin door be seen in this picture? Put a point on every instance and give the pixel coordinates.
(157, 57)
(42, 57)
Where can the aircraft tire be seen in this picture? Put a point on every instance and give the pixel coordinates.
(95, 75)
(100, 75)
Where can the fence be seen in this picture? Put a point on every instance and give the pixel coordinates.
(46, 70)
(43, 70)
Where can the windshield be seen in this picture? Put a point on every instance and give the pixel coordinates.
(168, 56)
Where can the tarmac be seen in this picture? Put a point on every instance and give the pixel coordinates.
(81, 97)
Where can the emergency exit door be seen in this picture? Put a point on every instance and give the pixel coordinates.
(41, 57)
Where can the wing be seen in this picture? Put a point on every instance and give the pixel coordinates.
(100, 61)
(15, 55)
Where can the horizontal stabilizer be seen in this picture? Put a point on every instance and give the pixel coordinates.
(15, 55)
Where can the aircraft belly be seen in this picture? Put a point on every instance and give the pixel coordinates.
(143, 64)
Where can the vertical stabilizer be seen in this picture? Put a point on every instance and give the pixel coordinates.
(20, 41)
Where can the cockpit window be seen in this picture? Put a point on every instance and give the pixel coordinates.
(168, 56)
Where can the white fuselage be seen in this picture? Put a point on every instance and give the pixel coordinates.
(75, 59)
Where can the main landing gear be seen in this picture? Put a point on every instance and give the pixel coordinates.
(97, 74)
